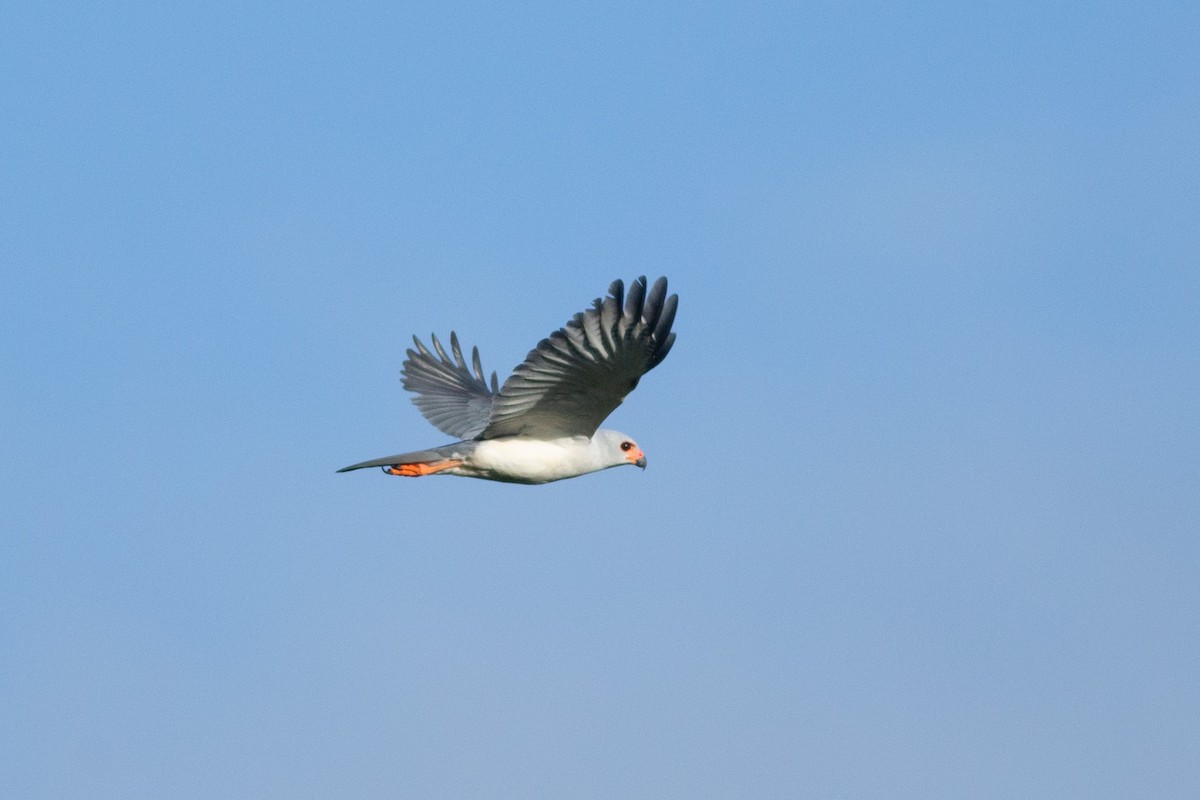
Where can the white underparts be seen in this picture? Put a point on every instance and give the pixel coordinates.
(521, 459)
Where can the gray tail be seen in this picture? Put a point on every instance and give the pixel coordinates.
(415, 457)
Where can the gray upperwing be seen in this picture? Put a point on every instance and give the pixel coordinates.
(576, 376)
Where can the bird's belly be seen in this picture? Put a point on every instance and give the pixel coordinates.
(524, 460)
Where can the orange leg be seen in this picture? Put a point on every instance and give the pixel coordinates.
(417, 470)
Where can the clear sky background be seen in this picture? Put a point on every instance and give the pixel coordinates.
(922, 508)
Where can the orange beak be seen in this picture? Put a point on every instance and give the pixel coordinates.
(636, 457)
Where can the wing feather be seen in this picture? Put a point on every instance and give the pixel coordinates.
(653, 305)
(589, 323)
(633, 306)
(662, 329)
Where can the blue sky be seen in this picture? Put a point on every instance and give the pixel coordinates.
(921, 512)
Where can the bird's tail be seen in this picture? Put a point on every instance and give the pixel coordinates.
(418, 462)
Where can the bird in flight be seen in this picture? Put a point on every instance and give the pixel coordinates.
(543, 424)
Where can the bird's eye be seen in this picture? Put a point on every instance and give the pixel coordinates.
(626, 445)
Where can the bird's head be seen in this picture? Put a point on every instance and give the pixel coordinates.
(617, 449)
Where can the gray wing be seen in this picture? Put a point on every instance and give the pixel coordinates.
(573, 379)
(456, 400)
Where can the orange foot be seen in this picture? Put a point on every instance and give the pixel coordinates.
(417, 470)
